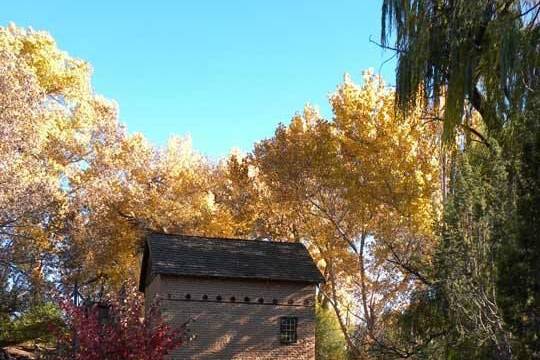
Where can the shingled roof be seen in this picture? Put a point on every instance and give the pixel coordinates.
(185, 255)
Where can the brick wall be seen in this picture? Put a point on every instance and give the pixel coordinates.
(240, 330)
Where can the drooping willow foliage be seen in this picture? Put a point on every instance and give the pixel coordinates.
(481, 53)
(467, 57)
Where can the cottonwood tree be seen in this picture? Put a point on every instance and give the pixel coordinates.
(52, 122)
(361, 191)
(134, 188)
(77, 191)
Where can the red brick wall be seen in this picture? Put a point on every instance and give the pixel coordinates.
(237, 330)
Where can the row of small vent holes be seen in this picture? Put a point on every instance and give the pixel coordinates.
(246, 299)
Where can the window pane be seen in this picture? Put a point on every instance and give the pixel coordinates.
(287, 329)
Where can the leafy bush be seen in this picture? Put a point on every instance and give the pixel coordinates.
(116, 330)
(330, 343)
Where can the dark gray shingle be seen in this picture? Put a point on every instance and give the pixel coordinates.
(227, 258)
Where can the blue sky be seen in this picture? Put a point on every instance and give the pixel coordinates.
(224, 72)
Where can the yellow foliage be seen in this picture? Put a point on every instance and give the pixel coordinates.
(360, 190)
(76, 189)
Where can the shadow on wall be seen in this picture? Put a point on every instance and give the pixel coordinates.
(228, 330)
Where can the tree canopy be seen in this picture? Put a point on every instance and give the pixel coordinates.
(419, 204)
(476, 63)
(460, 55)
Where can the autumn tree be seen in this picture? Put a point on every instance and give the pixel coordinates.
(77, 191)
(361, 192)
(134, 188)
(52, 123)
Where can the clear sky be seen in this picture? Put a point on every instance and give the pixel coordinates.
(224, 71)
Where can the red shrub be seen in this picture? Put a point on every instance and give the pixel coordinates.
(117, 331)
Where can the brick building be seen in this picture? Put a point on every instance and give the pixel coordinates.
(242, 299)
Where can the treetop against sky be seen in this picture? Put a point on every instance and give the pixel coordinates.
(224, 72)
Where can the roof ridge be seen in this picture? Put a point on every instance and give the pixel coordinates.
(201, 237)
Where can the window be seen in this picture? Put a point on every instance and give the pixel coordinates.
(287, 329)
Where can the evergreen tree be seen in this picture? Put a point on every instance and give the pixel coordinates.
(476, 222)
